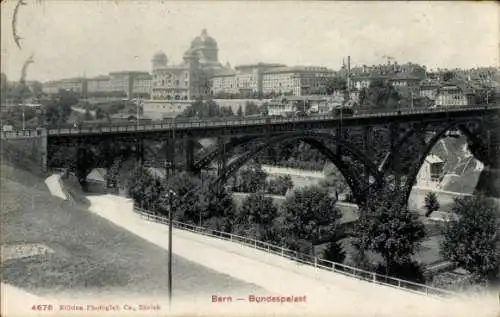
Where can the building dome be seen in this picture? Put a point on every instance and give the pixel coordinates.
(159, 59)
(204, 41)
(190, 53)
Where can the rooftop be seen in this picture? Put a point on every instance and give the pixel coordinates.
(260, 65)
(291, 69)
(128, 72)
(224, 73)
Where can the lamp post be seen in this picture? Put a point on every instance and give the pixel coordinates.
(170, 194)
(24, 124)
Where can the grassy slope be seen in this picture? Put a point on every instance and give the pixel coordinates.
(91, 254)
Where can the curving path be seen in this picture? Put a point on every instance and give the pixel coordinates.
(326, 293)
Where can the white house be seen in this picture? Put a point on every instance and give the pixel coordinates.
(453, 96)
(431, 172)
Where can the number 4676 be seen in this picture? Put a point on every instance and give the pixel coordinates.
(42, 307)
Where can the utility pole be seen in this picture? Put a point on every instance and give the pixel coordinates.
(348, 81)
(170, 194)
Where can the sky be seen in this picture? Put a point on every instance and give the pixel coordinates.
(77, 37)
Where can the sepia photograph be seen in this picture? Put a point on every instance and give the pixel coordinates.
(250, 158)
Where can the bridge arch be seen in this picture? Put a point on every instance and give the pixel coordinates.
(228, 147)
(316, 140)
(288, 137)
(413, 173)
(460, 124)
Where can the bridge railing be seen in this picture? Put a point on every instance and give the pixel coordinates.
(230, 122)
(302, 258)
(19, 134)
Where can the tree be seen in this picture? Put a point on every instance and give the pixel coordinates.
(256, 217)
(471, 239)
(226, 112)
(431, 203)
(335, 84)
(389, 229)
(280, 185)
(381, 94)
(250, 178)
(239, 113)
(100, 114)
(310, 218)
(190, 202)
(251, 108)
(334, 252)
(333, 179)
(143, 188)
(448, 76)
(219, 211)
(363, 96)
(87, 116)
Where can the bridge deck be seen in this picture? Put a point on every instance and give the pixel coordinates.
(199, 127)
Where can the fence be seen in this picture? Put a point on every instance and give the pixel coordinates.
(303, 258)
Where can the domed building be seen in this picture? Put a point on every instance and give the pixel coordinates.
(159, 60)
(188, 80)
(206, 47)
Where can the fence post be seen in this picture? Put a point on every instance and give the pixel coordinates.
(315, 261)
(282, 252)
(399, 283)
(374, 278)
(427, 291)
(255, 243)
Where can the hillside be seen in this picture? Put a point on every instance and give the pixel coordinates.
(82, 251)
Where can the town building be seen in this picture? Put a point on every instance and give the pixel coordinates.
(99, 85)
(296, 80)
(312, 104)
(429, 89)
(141, 86)
(124, 81)
(431, 172)
(188, 80)
(124, 84)
(454, 96)
(76, 85)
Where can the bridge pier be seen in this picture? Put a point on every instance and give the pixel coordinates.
(487, 150)
(338, 137)
(394, 137)
(169, 156)
(83, 165)
(221, 160)
(139, 151)
(366, 142)
(189, 153)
